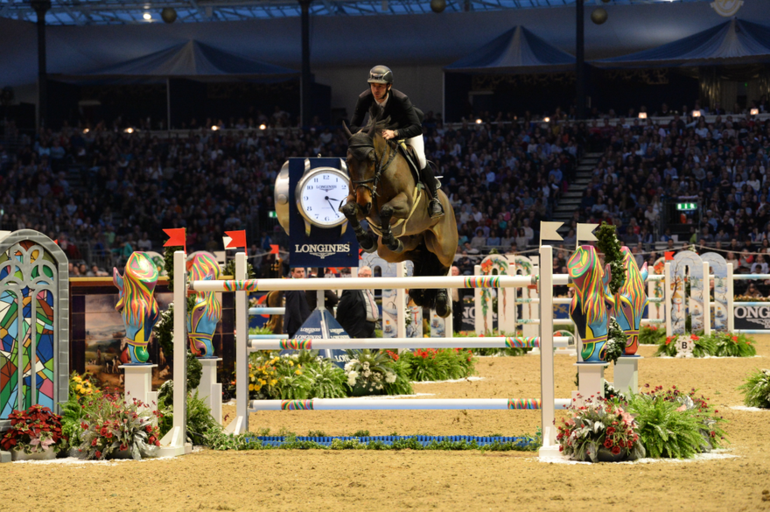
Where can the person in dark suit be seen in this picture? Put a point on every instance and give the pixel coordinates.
(405, 119)
(330, 298)
(457, 305)
(358, 310)
(297, 308)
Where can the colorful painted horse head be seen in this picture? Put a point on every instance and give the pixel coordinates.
(631, 300)
(202, 319)
(588, 308)
(137, 303)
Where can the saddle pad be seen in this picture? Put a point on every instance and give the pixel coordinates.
(411, 156)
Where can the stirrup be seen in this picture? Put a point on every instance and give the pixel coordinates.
(435, 213)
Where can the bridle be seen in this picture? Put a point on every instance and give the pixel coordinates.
(380, 163)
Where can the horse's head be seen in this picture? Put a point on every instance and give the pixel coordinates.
(202, 319)
(588, 308)
(362, 167)
(137, 303)
(631, 300)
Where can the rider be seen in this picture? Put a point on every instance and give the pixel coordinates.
(407, 122)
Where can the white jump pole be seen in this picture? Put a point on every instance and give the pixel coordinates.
(547, 385)
(175, 441)
(400, 302)
(730, 302)
(384, 404)
(478, 317)
(240, 424)
(669, 296)
(706, 299)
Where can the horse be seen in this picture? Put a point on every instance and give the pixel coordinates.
(630, 301)
(385, 193)
(588, 308)
(203, 317)
(137, 303)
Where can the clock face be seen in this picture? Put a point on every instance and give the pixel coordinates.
(320, 196)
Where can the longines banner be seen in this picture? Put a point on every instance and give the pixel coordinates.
(322, 247)
(751, 317)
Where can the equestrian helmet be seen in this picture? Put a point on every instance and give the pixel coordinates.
(380, 75)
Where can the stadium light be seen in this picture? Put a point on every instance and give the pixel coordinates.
(129, 130)
(696, 113)
(642, 115)
(214, 128)
(754, 111)
(262, 127)
(147, 16)
(478, 121)
(547, 119)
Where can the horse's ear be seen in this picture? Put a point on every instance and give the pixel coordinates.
(370, 133)
(347, 130)
(116, 279)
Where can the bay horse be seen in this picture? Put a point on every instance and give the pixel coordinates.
(384, 191)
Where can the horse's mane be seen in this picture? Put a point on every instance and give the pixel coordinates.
(360, 144)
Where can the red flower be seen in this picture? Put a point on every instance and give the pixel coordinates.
(695, 338)
(561, 448)
(616, 450)
(735, 338)
(608, 443)
(148, 428)
(94, 442)
(668, 340)
(123, 447)
(98, 454)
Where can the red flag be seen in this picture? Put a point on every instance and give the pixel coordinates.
(669, 255)
(237, 239)
(360, 252)
(176, 237)
(273, 249)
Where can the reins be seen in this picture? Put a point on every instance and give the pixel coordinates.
(380, 165)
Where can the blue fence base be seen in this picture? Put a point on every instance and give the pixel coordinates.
(479, 441)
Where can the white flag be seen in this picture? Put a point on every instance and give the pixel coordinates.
(226, 240)
(548, 231)
(585, 233)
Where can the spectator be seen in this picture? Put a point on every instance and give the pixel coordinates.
(360, 310)
(297, 308)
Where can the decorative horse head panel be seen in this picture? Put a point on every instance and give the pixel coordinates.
(137, 303)
(631, 300)
(202, 319)
(588, 308)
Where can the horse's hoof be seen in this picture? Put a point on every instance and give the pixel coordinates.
(396, 245)
(368, 244)
(443, 309)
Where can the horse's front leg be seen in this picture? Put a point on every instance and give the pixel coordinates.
(366, 240)
(397, 207)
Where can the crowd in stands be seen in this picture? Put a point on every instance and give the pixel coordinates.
(503, 176)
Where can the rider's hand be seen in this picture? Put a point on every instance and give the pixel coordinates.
(388, 134)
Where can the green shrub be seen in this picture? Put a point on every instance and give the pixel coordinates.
(757, 389)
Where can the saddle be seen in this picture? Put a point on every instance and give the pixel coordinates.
(411, 157)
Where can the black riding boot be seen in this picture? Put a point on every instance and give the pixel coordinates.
(429, 180)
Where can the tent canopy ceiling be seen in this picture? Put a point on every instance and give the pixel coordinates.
(738, 40)
(516, 51)
(192, 59)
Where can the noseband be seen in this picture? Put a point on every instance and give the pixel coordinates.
(380, 163)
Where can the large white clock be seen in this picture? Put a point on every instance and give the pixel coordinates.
(319, 195)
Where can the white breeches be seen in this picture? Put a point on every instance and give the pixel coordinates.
(419, 147)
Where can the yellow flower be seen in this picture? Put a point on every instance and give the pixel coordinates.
(79, 389)
(262, 382)
(77, 378)
(251, 387)
(273, 382)
(298, 372)
(291, 363)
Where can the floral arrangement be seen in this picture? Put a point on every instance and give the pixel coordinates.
(757, 389)
(600, 430)
(718, 344)
(616, 342)
(676, 424)
(376, 372)
(83, 393)
(438, 364)
(34, 431)
(494, 351)
(298, 376)
(110, 425)
(652, 335)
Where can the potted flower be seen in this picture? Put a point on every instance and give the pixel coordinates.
(35, 434)
(600, 431)
(375, 373)
(112, 428)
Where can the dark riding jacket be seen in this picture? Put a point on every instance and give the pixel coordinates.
(403, 115)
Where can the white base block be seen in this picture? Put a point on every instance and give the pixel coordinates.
(209, 390)
(591, 379)
(138, 384)
(549, 452)
(237, 426)
(5, 456)
(174, 444)
(627, 374)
